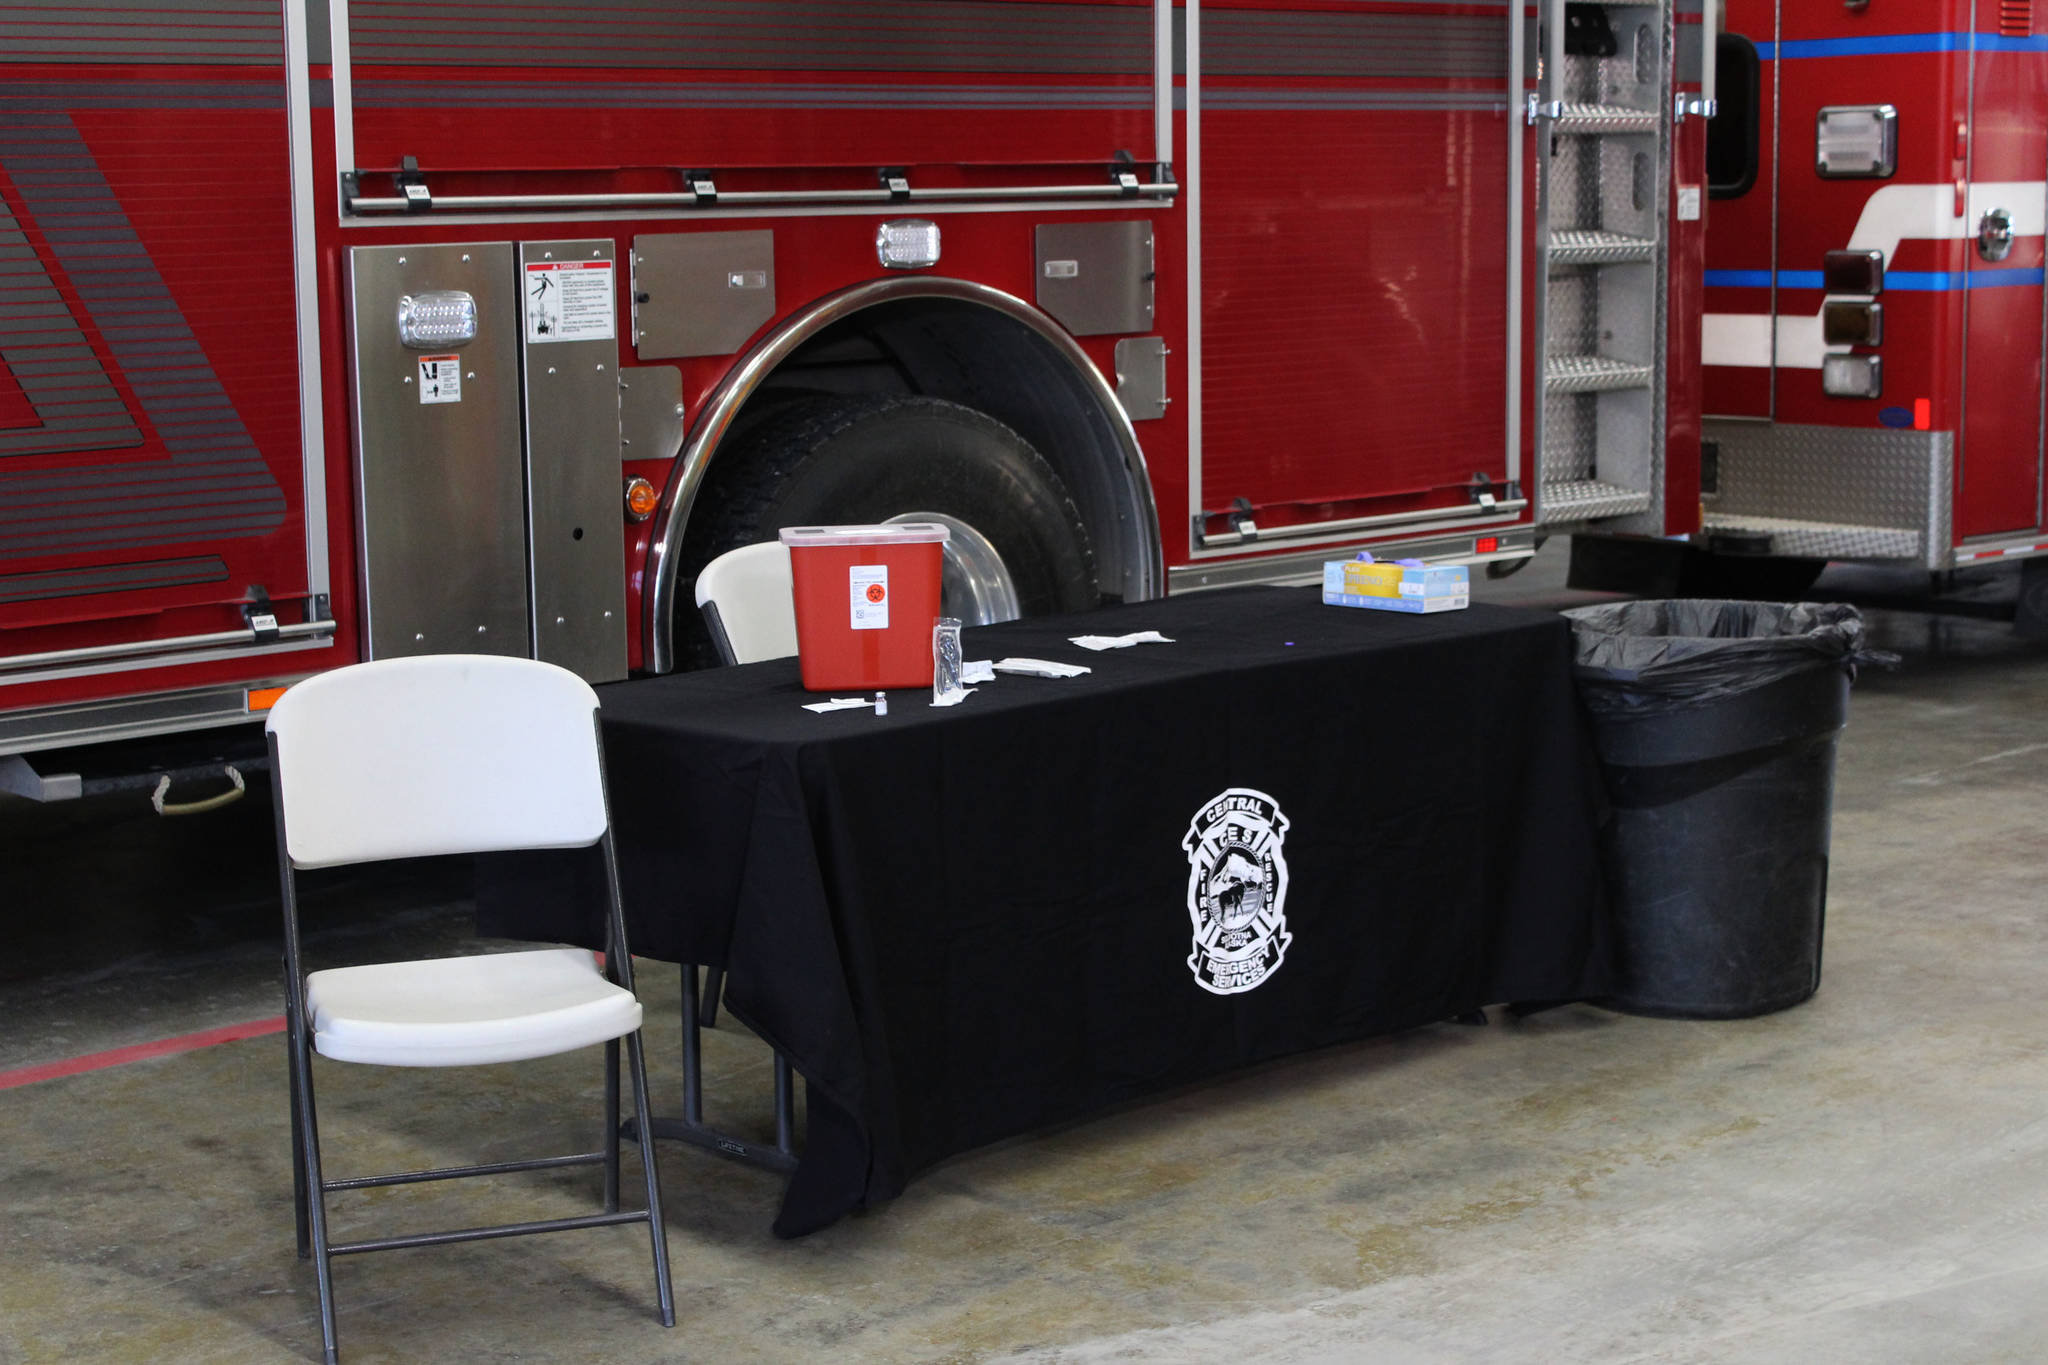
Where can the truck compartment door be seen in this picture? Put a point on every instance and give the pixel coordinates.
(1354, 221)
(1999, 488)
(150, 466)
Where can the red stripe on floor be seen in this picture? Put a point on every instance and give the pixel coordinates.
(140, 1052)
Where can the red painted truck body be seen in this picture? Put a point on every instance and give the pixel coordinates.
(1263, 283)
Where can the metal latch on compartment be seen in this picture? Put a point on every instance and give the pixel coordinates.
(1123, 174)
(260, 615)
(412, 188)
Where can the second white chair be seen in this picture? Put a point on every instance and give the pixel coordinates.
(745, 597)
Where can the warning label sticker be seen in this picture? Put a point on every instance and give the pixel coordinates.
(569, 301)
(870, 593)
(440, 379)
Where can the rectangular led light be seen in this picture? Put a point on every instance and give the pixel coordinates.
(1852, 141)
(1852, 376)
(1853, 272)
(437, 319)
(907, 243)
(1852, 322)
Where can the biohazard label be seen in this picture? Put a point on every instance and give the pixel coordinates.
(1237, 891)
(440, 379)
(569, 301)
(869, 589)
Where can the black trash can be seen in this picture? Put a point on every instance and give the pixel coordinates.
(1716, 725)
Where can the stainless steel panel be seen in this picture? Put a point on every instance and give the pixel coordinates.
(1306, 566)
(1855, 482)
(650, 412)
(440, 484)
(1582, 500)
(1821, 540)
(159, 713)
(701, 293)
(1096, 278)
(575, 524)
(1141, 377)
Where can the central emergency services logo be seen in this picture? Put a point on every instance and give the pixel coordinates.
(1237, 887)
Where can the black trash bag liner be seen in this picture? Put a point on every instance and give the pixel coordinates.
(1643, 658)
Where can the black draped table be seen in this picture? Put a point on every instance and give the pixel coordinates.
(1294, 826)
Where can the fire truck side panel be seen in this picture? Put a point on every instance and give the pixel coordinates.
(1739, 243)
(1354, 235)
(1357, 250)
(1999, 453)
(528, 87)
(1949, 448)
(150, 469)
(1922, 326)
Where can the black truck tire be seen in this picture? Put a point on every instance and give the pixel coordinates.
(838, 460)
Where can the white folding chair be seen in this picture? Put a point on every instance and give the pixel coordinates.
(748, 607)
(450, 754)
(745, 597)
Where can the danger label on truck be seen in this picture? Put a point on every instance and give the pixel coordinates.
(569, 301)
(440, 379)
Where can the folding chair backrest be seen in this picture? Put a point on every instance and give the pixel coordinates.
(750, 589)
(448, 753)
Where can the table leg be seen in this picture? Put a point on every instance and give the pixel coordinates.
(691, 1127)
(785, 1107)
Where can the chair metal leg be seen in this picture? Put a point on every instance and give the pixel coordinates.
(309, 1149)
(300, 1218)
(611, 1126)
(657, 1232)
(714, 990)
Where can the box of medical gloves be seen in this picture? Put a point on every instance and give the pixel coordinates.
(1395, 585)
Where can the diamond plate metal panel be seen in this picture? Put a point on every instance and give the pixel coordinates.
(1591, 246)
(1571, 321)
(1820, 540)
(1850, 481)
(1594, 374)
(1606, 120)
(1630, 187)
(1603, 319)
(1579, 500)
(1570, 433)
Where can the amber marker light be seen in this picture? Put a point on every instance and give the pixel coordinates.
(641, 499)
(263, 698)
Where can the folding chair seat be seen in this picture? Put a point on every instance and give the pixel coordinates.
(462, 1011)
(451, 754)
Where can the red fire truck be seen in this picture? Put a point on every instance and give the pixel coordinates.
(374, 328)
(1874, 321)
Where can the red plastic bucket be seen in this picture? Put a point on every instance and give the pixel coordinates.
(866, 598)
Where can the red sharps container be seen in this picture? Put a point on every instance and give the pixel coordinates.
(866, 598)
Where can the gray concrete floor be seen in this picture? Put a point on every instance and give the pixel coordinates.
(1861, 1179)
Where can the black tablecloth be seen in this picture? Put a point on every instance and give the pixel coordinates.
(961, 924)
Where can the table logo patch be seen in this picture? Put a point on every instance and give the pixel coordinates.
(1237, 890)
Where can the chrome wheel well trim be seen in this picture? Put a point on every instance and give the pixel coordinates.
(686, 472)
